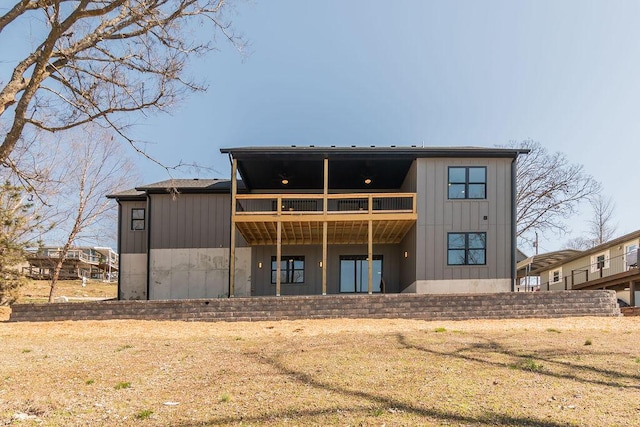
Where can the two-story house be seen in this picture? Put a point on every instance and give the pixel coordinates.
(325, 220)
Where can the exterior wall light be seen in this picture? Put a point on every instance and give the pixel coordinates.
(367, 181)
(320, 264)
(406, 254)
(260, 264)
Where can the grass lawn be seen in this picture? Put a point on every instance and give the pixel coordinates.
(554, 372)
(38, 290)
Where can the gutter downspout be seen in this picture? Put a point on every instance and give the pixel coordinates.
(119, 248)
(514, 225)
(230, 228)
(148, 230)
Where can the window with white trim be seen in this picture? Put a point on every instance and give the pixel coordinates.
(600, 261)
(555, 276)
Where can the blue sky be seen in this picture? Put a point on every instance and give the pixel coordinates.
(442, 73)
(438, 73)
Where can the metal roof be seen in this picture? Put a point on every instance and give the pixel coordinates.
(541, 262)
(404, 151)
(301, 167)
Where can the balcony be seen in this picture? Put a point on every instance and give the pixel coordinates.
(302, 217)
(612, 273)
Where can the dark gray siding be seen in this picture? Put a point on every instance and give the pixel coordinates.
(261, 278)
(408, 265)
(437, 216)
(132, 242)
(190, 221)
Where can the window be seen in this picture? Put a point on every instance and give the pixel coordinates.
(354, 273)
(467, 182)
(600, 261)
(291, 269)
(555, 276)
(466, 248)
(137, 219)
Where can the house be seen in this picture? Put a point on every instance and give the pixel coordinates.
(99, 263)
(611, 265)
(325, 220)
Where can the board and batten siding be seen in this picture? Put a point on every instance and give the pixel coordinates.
(437, 216)
(190, 221)
(132, 241)
(261, 282)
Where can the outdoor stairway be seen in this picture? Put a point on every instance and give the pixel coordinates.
(406, 306)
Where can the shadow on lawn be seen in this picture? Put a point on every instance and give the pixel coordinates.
(494, 347)
(388, 403)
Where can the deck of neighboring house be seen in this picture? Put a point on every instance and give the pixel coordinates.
(88, 262)
(619, 273)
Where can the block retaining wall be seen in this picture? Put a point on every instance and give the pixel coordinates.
(409, 306)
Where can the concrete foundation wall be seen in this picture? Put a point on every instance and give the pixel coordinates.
(197, 273)
(472, 286)
(133, 277)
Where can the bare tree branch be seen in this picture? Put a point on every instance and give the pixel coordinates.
(102, 61)
(549, 190)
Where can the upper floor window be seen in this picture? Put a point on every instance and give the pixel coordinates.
(600, 261)
(555, 275)
(466, 248)
(467, 182)
(291, 269)
(137, 219)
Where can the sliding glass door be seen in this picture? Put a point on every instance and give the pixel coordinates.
(354, 273)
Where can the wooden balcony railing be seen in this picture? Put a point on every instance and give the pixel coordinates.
(313, 204)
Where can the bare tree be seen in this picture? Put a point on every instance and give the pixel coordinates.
(94, 168)
(99, 60)
(601, 226)
(549, 190)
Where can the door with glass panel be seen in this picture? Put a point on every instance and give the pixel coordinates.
(354, 274)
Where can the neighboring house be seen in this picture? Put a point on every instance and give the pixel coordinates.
(611, 265)
(325, 220)
(98, 263)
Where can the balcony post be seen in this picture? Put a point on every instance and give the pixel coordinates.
(325, 208)
(370, 253)
(279, 246)
(632, 293)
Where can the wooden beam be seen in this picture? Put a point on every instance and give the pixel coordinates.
(232, 254)
(324, 258)
(370, 255)
(278, 257)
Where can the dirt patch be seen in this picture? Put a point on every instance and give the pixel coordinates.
(323, 372)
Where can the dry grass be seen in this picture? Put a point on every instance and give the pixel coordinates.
(38, 290)
(323, 372)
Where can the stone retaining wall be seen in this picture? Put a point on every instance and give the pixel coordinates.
(411, 306)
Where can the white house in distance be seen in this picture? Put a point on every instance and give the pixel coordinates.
(611, 265)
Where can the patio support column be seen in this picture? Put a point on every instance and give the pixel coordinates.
(632, 293)
(278, 247)
(370, 245)
(232, 251)
(325, 206)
